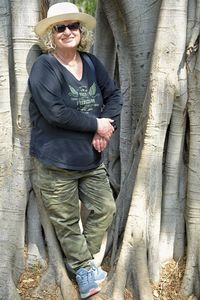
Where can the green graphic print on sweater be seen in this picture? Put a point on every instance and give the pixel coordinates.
(85, 97)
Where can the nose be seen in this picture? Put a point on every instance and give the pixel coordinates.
(67, 31)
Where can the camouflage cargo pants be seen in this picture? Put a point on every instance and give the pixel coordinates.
(60, 191)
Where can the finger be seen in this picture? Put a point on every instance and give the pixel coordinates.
(102, 145)
(96, 144)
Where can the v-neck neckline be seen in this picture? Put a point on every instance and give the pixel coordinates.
(63, 66)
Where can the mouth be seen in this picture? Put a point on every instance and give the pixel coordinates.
(66, 40)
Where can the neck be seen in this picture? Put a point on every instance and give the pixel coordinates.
(67, 58)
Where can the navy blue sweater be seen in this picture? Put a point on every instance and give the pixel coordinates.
(63, 112)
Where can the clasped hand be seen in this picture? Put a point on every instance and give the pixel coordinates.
(103, 133)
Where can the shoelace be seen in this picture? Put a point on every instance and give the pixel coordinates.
(95, 269)
(86, 277)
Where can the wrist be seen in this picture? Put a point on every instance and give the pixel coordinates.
(98, 124)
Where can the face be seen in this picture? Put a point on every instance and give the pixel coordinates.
(66, 37)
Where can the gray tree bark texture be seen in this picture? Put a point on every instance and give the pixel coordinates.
(152, 49)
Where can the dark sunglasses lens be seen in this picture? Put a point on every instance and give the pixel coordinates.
(60, 28)
(73, 26)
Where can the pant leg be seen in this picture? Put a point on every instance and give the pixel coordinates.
(59, 192)
(96, 194)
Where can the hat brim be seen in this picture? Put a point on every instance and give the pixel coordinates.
(86, 20)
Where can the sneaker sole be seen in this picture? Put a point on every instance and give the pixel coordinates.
(93, 291)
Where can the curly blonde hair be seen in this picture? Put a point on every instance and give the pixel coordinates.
(46, 42)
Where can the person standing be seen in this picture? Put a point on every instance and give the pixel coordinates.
(73, 107)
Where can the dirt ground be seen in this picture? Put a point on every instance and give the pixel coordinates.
(167, 289)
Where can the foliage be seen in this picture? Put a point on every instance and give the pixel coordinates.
(88, 6)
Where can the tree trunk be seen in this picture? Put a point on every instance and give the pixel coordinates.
(190, 284)
(16, 39)
(142, 233)
(11, 239)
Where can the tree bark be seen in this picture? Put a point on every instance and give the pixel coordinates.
(190, 284)
(15, 183)
(36, 252)
(172, 202)
(142, 233)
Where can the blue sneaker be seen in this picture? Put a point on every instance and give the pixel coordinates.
(99, 274)
(86, 283)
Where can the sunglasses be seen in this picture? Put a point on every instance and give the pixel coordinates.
(62, 27)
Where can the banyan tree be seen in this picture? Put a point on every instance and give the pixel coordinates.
(151, 48)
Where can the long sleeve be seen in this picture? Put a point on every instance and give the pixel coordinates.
(46, 91)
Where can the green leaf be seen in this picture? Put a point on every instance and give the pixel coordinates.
(92, 90)
(73, 91)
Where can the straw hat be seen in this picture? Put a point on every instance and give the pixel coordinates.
(61, 12)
